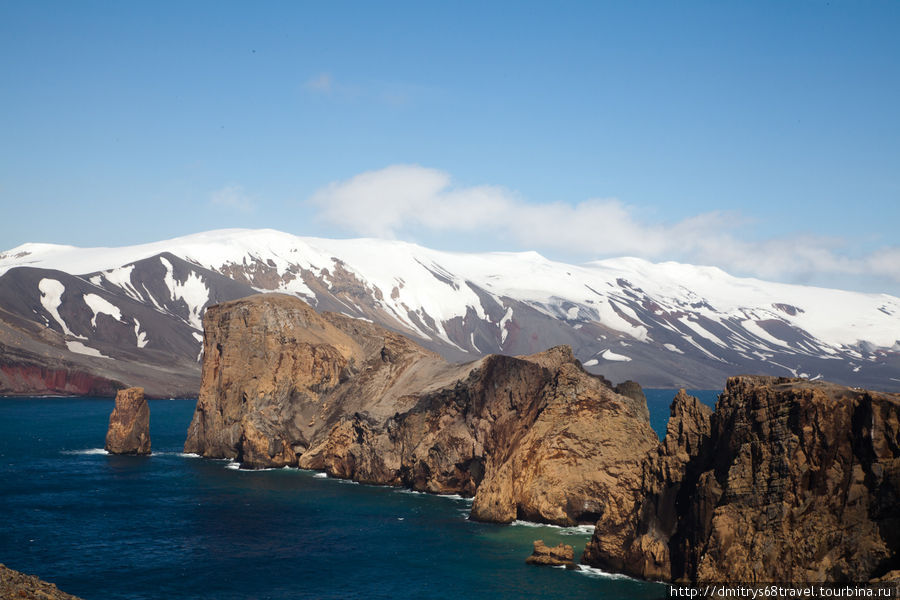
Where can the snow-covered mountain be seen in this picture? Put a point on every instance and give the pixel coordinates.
(132, 314)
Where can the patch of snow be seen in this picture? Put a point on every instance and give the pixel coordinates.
(790, 370)
(507, 316)
(51, 297)
(121, 278)
(755, 328)
(610, 355)
(592, 362)
(693, 343)
(672, 348)
(699, 330)
(79, 348)
(140, 336)
(98, 305)
(193, 291)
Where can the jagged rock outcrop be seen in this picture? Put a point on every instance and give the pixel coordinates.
(639, 542)
(532, 437)
(14, 584)
(561, 555)
(129, 423)
(789, 480)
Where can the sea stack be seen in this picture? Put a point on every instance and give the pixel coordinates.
(562, 555)
(129, 424)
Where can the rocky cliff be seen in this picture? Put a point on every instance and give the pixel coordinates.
(129, 424)
(531, 437)
(789, 480)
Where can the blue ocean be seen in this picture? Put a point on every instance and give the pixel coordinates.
(173, 526)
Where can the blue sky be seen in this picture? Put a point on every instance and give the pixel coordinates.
(762, 137)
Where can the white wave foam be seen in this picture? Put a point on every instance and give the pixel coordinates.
(600, 573)
(233, 465)
(574, 530)
(87, 451)
(322, 475)
(181, 454)
(455, 497)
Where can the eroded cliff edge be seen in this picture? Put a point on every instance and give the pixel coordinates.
(531, 437)
(789, 480)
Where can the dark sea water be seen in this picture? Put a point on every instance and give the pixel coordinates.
(171, 526)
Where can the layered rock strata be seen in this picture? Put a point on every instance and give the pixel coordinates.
(789, 480)
(129, 423)
(531, 437)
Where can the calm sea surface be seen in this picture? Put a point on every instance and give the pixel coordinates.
(171, 526)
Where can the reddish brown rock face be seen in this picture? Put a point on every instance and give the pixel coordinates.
(129, 424)
(789, 480)
(531, 437)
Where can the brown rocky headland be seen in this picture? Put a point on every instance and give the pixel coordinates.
(788, 480)
(533, 437)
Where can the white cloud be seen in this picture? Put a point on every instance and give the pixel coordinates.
(232, 197)
(403, 199)
(322, 83)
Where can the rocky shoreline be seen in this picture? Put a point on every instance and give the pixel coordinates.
(14, 584)
(787, 480)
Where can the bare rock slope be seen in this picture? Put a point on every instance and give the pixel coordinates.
(789, 480)
(532, 437)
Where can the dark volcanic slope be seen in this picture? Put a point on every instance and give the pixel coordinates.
(65, 334)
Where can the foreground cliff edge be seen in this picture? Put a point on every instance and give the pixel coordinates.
(789, 480)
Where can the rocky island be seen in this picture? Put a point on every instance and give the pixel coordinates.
(129, 423)
(788, 480)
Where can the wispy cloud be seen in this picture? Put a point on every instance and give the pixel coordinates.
(233, 197)
(322, 83)
(393, 94)
(408, 199)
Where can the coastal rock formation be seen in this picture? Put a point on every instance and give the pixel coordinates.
(532, 437)
(789, 480)
(561, 555)
(14, 584)
(129, 424)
